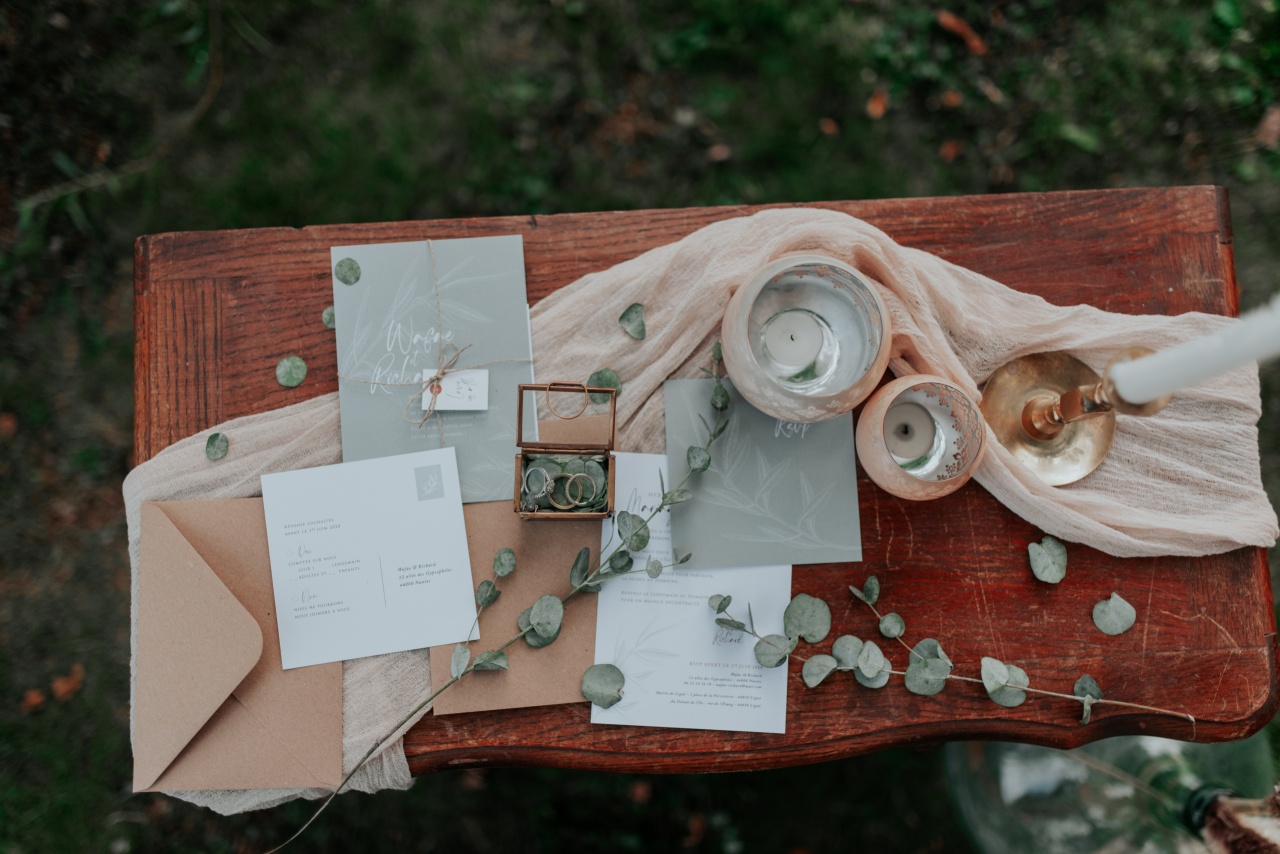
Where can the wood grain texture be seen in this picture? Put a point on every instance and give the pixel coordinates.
(216, 310)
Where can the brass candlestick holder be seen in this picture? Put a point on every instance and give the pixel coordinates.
(1056, 415)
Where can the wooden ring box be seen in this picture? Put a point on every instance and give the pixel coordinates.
(530, 449)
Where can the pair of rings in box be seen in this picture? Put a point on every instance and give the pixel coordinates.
(567, 473)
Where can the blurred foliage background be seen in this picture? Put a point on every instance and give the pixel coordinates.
(140, 116)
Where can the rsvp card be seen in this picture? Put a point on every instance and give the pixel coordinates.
(405, 311)
(681, 669)
(368, 557)
(776, 492)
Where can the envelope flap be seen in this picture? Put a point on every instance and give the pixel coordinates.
(195, 643)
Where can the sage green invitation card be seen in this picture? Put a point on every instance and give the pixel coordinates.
(406, 311)
(776, 492)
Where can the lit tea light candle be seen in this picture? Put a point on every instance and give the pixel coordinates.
(1255, 338)
(793, 340)
(909, 430)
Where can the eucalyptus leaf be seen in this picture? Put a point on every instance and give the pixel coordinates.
(677, 496)
(487, 593)
(816, 669)
(1114, 616)
(459, 660)
(494, 659)
(621, 561)
(927, 676)
(719, 602)
(731, 623)
(654, 568)
(546, 615)
(602, 684)
(845, 650)
(1086, 713)
(640, 539)
(892, 626)
(603, 378)
(719, 398)
(682, 561)
(1048, 560)
(870, 660)
(929, 649)
(699, 459)
(772, 650)
(807, 617)
(531, 637)
(347, 271)
(1004, 682)
(504, 563)
(871, 589)
(628, 523)
(717, 352)
(291, 371)
(580, 570)
(216, 446)
(878, 681)
(329, 318)
(632, 320)
(1086, 686)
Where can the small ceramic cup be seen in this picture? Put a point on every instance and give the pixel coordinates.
(920, 437)
(806, 339)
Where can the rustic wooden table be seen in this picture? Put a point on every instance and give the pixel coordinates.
(215, 310)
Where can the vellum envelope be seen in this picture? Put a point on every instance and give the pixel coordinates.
(212, 707)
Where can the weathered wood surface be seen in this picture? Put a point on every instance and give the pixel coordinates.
(216, 310)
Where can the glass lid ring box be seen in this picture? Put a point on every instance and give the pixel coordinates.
(567, 472)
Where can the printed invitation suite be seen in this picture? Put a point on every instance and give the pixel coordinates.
(681, 669)
(368, 557)
(776, 492)
(404, 312)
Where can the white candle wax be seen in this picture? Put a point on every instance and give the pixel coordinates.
(1255, 338)
(909, 430)
(793, 340)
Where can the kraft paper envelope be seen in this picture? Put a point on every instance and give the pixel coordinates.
(212, 707)
(544, 554)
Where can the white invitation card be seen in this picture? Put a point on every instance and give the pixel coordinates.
(368, 557)
(681, 669)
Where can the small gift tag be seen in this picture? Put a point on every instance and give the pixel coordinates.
(460, 391)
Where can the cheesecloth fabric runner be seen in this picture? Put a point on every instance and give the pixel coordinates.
(1183, 482)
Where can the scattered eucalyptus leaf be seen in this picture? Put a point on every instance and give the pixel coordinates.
(927, 676)
(816, 669)
(291, 371)
(699, 459)
(1087, 686)
(621, 561)
(494, 659)
(216, 447)
(772, 650)
(602, 684)
(682, 561)
(871, 589)
(1004, 682)
(1114, 616)
(579, 572)
(632, 320)
(654, 568)
(329, 318)
(845, 650)
(676, 496)
(719, 602)
(459, 660)
(347, 271)
(892, 626)
(807, 617)
(719, 398)
(531, 637)
(930, 649)
(878, 681)
(627, 524)
(870, 660)
(487, 594)
(603, 378)
(639, 538)
(717, 352)
(1048, 560)
(546, 615)
(731, 623)
(504, 563)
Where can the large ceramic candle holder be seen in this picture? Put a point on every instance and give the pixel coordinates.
(806, 339)
(920, 437)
